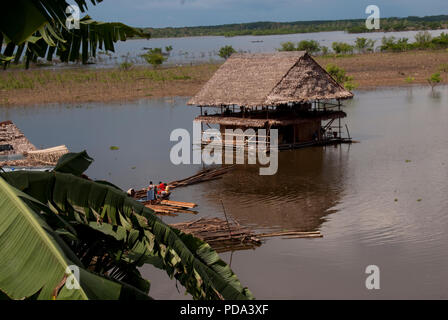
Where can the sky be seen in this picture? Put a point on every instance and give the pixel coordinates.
(180, 13)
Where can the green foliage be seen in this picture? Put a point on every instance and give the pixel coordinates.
(226, 51)
(325, 51)
(273, 28)
(434, 79)
(287, 46)
(364, 45)
(409, 79)
(310, 46)
(341, 77)
(154, 57)
(391, 44)
(36, 29)
(350, 85)
(342, 48)
(423, 39)
(125, 65)
(69, 220)
(443, 67)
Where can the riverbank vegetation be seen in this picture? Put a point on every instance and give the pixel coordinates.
(423, 41)
(275, 28)
(78, 85)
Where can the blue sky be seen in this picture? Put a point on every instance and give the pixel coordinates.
(177, 13)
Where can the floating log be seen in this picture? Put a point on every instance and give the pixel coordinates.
(202, 176)
(305, 236)
(167, 210)
(289, 233)
(179, 204)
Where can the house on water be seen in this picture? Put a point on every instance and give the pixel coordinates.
(287, 91)
(18, 153)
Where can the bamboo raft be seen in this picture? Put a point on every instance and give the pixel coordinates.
(173, 208)
(202, 176)
(224, 236)
(220, 234)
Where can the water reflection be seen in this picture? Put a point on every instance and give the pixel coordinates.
(308, 184)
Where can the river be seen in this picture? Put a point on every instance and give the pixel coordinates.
(205, 49)
(382, 201)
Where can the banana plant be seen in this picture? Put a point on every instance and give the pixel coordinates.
(59, 218)
(37, 28)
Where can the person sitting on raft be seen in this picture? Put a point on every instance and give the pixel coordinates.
(163, 189)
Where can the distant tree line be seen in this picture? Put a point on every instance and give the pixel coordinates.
(423, 40)
(272, 28)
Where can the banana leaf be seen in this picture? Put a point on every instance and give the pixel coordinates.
(28, 21)
(74, 163)
(191, 261)
(34, 259)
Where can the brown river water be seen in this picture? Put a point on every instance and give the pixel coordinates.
(382, 201)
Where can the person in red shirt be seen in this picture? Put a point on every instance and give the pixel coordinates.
(161, 187)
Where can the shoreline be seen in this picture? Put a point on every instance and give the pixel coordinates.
(42, 86)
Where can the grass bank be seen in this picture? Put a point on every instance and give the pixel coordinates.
(40, 86)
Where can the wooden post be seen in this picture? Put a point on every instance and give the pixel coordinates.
(339, 109)
(294, 139)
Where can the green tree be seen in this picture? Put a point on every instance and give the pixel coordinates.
(434, 80)
(154, 57)
(342, 48)
(226, 51)
(310, 46)
(287, 46)
(325, 51)
(341, 77)
(364, 45)
(423, 39)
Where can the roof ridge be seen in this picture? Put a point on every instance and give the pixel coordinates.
(285, 75)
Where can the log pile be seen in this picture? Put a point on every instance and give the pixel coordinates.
(48, 156)
(202, 176)
(220, 234)
(224, 236)
(171, 208)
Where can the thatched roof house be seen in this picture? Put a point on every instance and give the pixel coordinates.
(269, 79)
(16, 150)
(11, 136)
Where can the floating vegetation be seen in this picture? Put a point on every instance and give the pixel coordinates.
(114, 148)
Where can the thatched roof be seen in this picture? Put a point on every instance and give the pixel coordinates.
(11, 135)
(265, 123)
(14, 143)
(267, 79)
